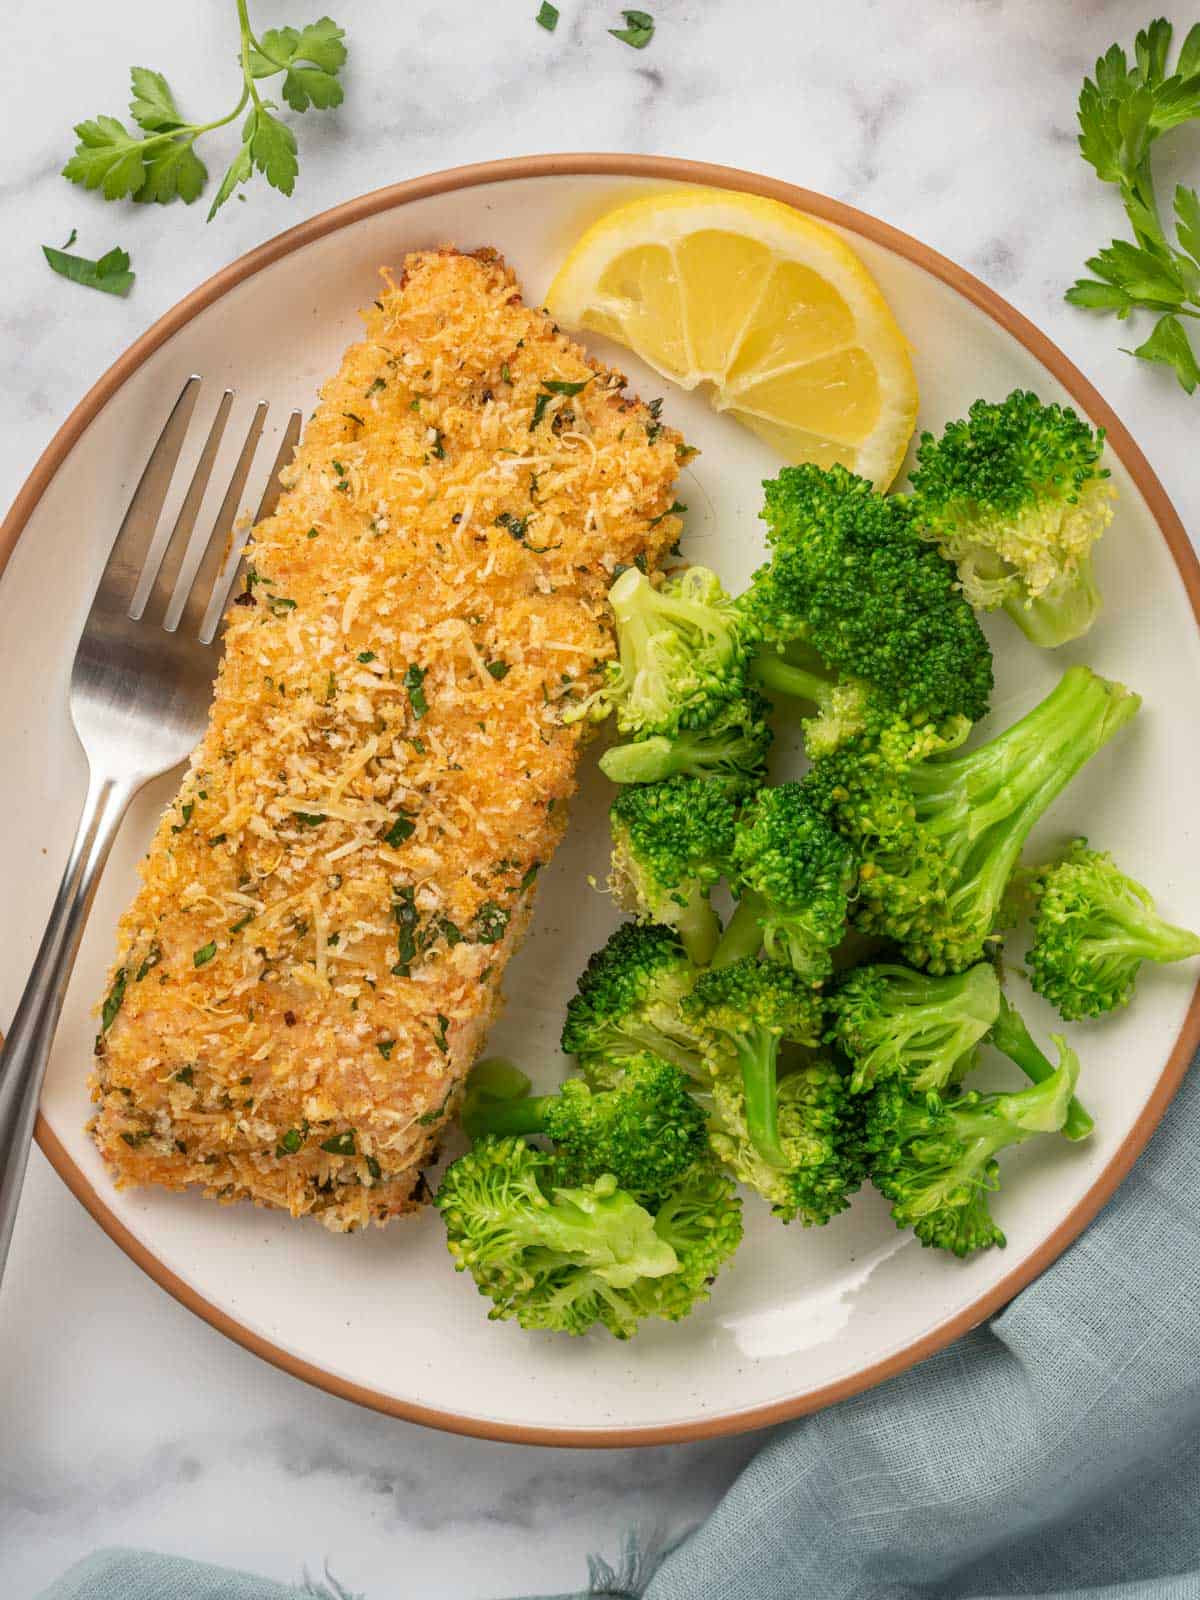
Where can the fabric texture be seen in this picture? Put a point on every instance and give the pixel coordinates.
(1054, 1453)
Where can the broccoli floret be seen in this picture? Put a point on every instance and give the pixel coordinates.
(741, 1014)
(819, 1132)
(924, 1032)
(937, 840)
(850, 578)
(680, 652)
(646, 1130)
(1092, 928)
(1016, 497)
(563, 1258)
(793, 872)
(671, 842)
(1013, 1039)
(629, 1002)
(732, 746)
(935, 1159)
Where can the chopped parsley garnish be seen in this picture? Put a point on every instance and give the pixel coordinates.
(414, 678)
(498, 669)
(539, 409)
(352, 416)
(312, 533)
(291, 1141)
(438, 447)
(439, 1033)
(201, 957)
(505, 374)
(385, 1048)
(403, 828)
(639, 29)
(110, 274)
(374, 1169)
(330, 688)
(527, 880)
(547, 16)
(149, 961)
(340, 1144)
(405, 916)
(236, 927)
(491, 923)
(366, 655)
(515, 525)
(133, 1140)
(430, 1117)
(376, 385)
(309, 819)
(185, 812)
(186, 1075)
(280, 605)
(217, 838)
(564, 386)
(113, 1002)
(451, 932)
(675, 510)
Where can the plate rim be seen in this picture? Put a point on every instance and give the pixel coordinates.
(668, 169)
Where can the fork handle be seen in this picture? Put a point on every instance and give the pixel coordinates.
(27, 1048)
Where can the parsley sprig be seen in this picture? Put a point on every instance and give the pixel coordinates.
(1123, 111)
(157, 161)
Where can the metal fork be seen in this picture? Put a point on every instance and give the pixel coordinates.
(140, 691)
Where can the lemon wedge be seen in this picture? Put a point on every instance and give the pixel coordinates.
(769, 309)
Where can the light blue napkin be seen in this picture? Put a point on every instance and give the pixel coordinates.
(1054, 1453)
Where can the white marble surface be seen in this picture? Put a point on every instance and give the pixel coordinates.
(124, 1418)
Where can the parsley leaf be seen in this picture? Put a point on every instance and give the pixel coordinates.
(1123, 110)
(153, 105)
(414, 678)
(156, 161)
(111, 273)
(547, 16)
(638, 31)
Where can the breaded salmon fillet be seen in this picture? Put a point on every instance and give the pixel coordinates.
(328, 906)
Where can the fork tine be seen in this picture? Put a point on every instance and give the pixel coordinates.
(270, 499)
(119, 580)
(219, 544)
(158, 602)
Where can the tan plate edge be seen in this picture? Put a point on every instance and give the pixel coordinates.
(834, 211)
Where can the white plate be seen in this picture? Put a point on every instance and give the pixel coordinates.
(801, 1317)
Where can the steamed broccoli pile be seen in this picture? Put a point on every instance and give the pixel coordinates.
(810, 975)
(1016, 497)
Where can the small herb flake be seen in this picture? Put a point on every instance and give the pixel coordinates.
(291, 1142)
(403, 828)
(414, 678)
(385, 1048)
(547, 16)
(366, 655)
(498, 669)
(439, 1033)
(491, 922)
(113, 1002)
(110, 274)
(340, 1144)
(638, 30)
(201, 957)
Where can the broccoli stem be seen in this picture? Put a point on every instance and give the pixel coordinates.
(1013, 1039)
(1063, 612)
(699, 929)
(983, 805)
(758, 1053)
(1136, 929)
(504, 1117)
(743, 936)
(773, 672)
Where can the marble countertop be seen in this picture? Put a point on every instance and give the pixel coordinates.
(125, 1419)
